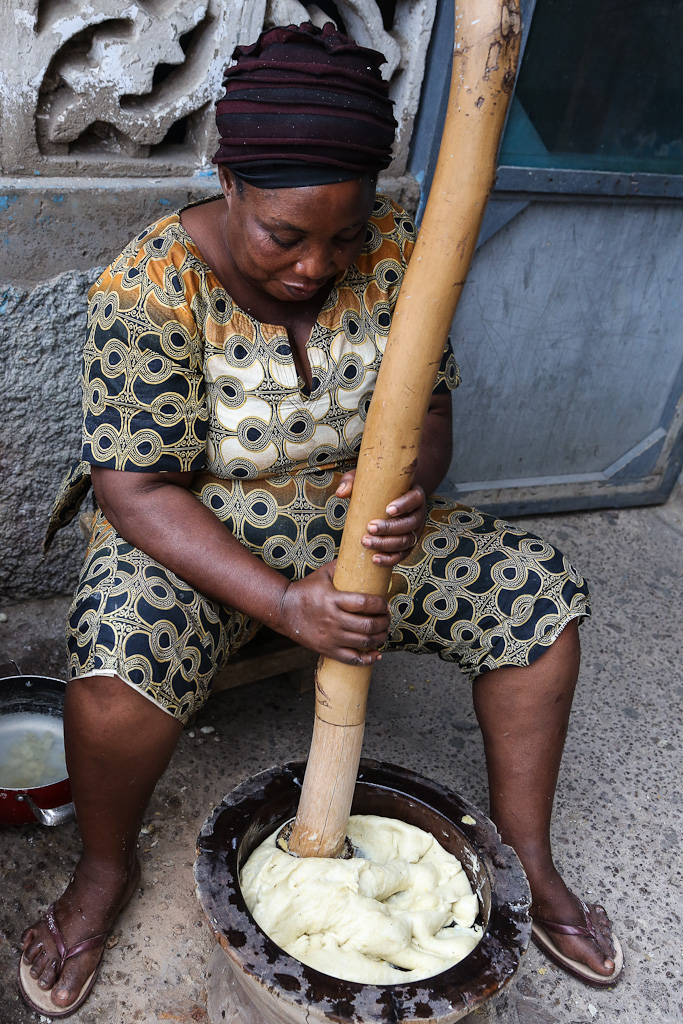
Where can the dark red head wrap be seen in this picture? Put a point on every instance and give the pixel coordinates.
(304, 106)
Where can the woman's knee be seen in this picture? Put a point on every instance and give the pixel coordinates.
(566, 649)
(107, 702)
(104, 692)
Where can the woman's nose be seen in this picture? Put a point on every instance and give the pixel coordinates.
(317, 263)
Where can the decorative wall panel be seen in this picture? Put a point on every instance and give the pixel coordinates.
(91, 87)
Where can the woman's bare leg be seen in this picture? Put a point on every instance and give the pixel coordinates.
(524, 715)
(118, 744)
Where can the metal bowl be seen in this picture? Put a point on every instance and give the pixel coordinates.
(50, 804)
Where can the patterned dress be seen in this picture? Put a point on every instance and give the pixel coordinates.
(177, 378)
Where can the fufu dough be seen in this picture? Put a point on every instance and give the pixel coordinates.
(400, 910)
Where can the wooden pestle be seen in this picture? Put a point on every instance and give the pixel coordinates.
(487, 38)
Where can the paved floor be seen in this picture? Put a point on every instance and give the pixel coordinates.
(617, 828)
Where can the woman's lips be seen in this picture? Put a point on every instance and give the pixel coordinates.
(302, 290)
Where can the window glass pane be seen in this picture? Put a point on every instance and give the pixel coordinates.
(600, 88)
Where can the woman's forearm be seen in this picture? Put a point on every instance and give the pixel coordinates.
(160, 516)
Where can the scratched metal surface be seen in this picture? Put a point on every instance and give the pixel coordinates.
(570, 344)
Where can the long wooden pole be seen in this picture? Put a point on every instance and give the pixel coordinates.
(487, 37)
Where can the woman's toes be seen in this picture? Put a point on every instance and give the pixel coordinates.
(598, 961)
(50, 973)
(31, 949)
(600, 917)
(62, 996)
(603, 962)
(38, 962)
(606, 944)
(71, 982)
(603, 929)
(607, 967)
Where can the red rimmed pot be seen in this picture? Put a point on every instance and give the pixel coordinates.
(42, 698)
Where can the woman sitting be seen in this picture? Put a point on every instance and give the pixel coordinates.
(231, 356)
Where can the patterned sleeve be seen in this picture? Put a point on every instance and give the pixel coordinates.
(144, 405)
(448, 374)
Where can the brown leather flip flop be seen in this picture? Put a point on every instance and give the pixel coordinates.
(39, 998)
(539, 933)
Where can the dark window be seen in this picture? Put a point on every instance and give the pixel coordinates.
(600, 88)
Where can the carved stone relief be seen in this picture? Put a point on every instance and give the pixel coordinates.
(98, 88)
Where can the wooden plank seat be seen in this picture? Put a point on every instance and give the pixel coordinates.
(268, 654)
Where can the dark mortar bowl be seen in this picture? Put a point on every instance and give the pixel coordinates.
(271, 986)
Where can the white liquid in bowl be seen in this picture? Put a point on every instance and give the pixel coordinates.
(31, 751)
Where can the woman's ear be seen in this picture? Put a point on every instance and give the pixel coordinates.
(227, 181)
(231, 186)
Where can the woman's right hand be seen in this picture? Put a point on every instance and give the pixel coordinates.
(158, 514)
(346, 626)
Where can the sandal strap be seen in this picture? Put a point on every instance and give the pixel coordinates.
(56, 933)
(587, 930)
(64, 951)
(95, 942)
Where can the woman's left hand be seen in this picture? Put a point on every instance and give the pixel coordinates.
(392, 539)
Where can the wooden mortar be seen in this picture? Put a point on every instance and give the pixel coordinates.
(253, 981)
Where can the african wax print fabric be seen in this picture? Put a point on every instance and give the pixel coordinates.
(475, 590)
(177, 377)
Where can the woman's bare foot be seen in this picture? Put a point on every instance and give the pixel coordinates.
(88, 907)
(554, 902)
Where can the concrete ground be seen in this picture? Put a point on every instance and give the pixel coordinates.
(617, 829)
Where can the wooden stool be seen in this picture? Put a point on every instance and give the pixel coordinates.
(268, 654)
